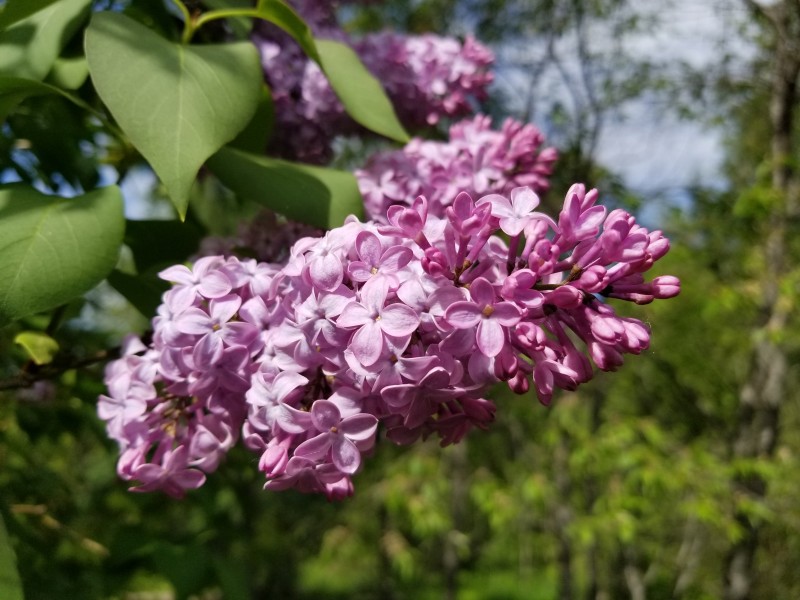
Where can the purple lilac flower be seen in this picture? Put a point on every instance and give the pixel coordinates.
(405, 324)
(426, 77)
(476, 159)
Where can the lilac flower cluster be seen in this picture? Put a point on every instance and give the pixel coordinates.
(476, 159)
(426, 77)
(406, 324)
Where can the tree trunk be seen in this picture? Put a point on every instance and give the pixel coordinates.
(763, 392)
(563, 518)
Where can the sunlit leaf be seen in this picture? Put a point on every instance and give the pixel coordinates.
(17, 10)
(40, 347)
(360, 93)
(281, 14)
(30, 46)
(313, 195)
(54, 249)
(177, 104)
(69, 73)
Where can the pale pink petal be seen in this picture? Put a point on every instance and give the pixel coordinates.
(359, 427)
(490, 338)
(367, 343)
(214, 285)
(506, 314)
(482, 292)
(325, 415)
(316, 448)
(369, 248)
(353, 315)
(292, 420)
(373, 294)
(398, 320)
(346, 456)
(177, 274)
(326, 272)
(524, 200)
(396, 258)
(463, 314)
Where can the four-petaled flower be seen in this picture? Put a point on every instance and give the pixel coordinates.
(375, 320)
(487, 313)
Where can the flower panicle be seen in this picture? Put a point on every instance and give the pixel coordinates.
(405, 323)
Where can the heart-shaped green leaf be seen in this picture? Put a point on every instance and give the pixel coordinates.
(314, 195)
(30, 46)
(177, 104)
(360, 93)
(54, 249)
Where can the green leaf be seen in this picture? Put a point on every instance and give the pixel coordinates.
(281, 14)
(54, 249)
(157, 244)
(10, 585)
(254, 137)
(16, 10)
(69, 73)
(142, 291)
(177, 104)
(241, 26)
(14, 90)
(360, 93)
(41, 348)
(30, 47)
(314, 195)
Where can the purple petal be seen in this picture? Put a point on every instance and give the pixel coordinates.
(177, 274)
(223, 309)
(490, 338)
(285, 383)
(214, 285)
(359, 427)
(396, 258)
(506, 314)
(367, 343)
(353, 315)
(325, 415)
(398, 396)
(316, 448)
(208, 351)
(359, 271)
(292, 420)
(524, 200)
(373, 294)
(346, 457)
(369, 248)
(399, 320)
(188, 479)
(482, 292)
(463, 315)
(194, 321)
(326, 272)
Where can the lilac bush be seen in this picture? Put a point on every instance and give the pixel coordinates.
(403, 325)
